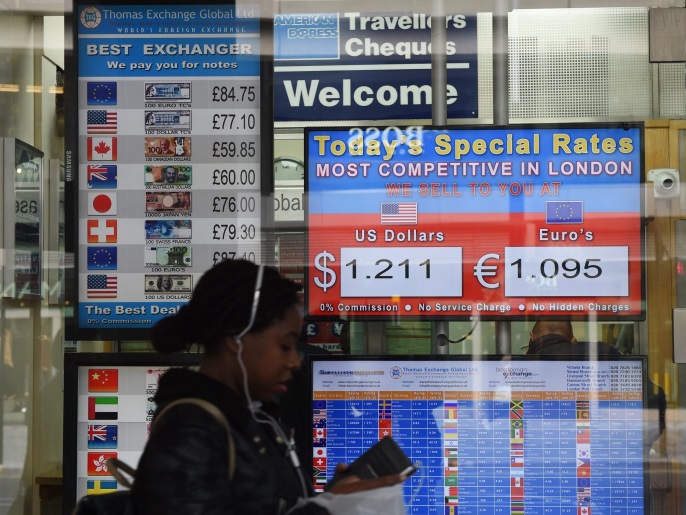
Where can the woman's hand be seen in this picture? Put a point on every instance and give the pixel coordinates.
(352, 483)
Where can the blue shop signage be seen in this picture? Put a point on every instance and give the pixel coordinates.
(355, 66)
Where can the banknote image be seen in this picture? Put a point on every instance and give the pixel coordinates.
(174, 146)
(168, 202)
(172, 120)
(152, 379)
(166, 283)
(168, 256)
(167, 91)
(169, 174)
(168, 229)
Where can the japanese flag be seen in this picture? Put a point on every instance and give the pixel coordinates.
(102, 203)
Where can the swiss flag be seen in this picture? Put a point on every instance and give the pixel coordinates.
(319, 462)
(102, 231)
(102, 149)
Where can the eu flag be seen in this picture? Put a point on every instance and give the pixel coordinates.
(564, 212)
(101, 93)
(102, 258)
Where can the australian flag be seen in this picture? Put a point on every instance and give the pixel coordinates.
(102, 176)
(564, 212)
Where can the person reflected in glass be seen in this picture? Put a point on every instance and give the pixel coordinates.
(247, 319)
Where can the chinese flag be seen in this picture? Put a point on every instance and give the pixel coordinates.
(103, 380)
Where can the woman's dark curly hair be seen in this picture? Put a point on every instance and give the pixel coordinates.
(221, 304)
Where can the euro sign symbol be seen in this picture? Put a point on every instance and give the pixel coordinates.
(320, 263)
(481, 270)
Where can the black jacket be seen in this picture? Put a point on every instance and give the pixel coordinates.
(184, 467)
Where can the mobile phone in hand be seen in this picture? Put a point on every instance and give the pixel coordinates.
(384, 458)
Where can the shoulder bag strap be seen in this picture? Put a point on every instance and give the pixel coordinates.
(219, 417)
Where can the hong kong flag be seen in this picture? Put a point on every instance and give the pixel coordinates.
(97, 465)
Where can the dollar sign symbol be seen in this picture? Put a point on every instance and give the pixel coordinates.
(320, 262)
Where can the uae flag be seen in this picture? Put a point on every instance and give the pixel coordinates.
(103, 408)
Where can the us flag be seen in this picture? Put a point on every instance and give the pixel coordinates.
(101, 286)
(399, 213)
(101, 122)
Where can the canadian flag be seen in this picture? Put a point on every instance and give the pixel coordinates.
(102, 149)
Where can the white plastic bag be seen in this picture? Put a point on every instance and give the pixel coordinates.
(387, 501)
